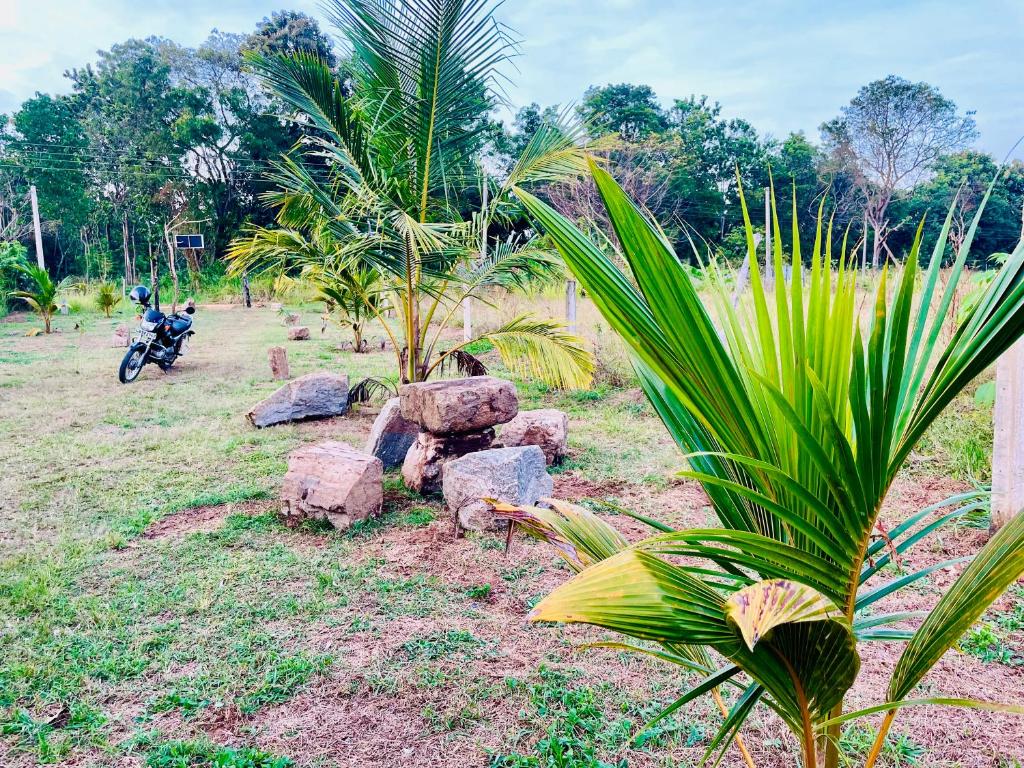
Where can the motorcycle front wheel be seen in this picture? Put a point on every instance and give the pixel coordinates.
(131, 365)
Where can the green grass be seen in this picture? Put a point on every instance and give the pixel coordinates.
(244, 617)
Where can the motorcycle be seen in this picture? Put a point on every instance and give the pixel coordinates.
(160, 338)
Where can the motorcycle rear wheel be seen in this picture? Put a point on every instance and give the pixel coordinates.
(131, 365)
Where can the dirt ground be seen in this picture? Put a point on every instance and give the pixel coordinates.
(156, 614)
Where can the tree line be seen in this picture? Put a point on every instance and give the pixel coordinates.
(155, 135)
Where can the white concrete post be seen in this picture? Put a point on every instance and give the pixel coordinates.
(570, 305)
(1008, 446)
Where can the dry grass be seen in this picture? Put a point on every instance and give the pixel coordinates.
(156, 614)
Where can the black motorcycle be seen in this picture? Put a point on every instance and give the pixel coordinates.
(160, 338)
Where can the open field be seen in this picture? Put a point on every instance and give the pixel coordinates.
(153, 612)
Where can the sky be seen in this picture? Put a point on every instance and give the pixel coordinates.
(784, 65)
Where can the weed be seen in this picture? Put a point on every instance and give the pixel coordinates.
(898, 751)
(418, 516)
(204, 754)
(454, 643)
(984, 643)
(479, 592)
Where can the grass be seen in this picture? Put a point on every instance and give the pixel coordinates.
(121, 645)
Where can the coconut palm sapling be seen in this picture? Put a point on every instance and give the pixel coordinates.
(386, 167)
(795, 421)
(42, 298)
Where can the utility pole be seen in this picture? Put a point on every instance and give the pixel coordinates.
(39, 232)
(769, 272)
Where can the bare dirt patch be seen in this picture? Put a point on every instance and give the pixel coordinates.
(201, 519)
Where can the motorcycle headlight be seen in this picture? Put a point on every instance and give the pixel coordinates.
(148, 326)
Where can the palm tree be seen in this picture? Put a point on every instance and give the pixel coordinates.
(795, 423)
(43, 299)
(108, 296)
(387, 172)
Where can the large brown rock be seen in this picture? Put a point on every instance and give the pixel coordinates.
(459, 405)
(278, 358)
(298, 333)
(513, 475)
(547, 428)
(424, 463)
(313, 396)
(333, 482)
(392, 435)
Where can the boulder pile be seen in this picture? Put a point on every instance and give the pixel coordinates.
(454, 417)
(546, 428)
(392, 435)
(513, 475)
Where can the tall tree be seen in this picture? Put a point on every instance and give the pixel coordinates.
(129, 107)
(890, 135)
(51, 150)
(288, 32)
(632, 111)
(959, 181)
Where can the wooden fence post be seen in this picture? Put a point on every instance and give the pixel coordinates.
(1008, 445)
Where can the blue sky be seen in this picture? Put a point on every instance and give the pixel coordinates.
(785, 65)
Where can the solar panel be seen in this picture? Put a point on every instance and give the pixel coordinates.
(194, 242)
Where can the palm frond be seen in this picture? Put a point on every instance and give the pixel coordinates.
(543, 349)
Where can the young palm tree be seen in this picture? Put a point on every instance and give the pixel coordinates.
(386, 169)
(108, 296)
(43, 299)
(795, 422)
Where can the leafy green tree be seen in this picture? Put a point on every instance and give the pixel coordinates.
(631, 111)
(49, 148)
(960, 181)
(289, 32)
(795, 171)
(128, 106)
(13, 257)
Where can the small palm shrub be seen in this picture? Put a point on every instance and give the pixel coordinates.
(107, 297)
(42, 298)
(795, 418)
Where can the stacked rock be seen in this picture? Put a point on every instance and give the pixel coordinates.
(455, 417)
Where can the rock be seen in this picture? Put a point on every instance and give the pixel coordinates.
(278, 357)
(391, 436)
(122, 336)
(546, 428)
(312, 396)
(424, 463)
(276, 306)
(333, 482)
(298, 333)
(513, 475)
(459, 405)
(292, 318)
